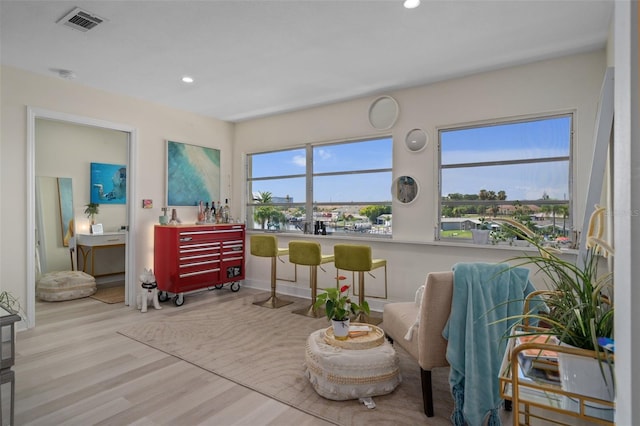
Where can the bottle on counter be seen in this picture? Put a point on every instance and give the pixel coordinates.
(226, 211)
(207, 212)
(219, 213)
(200, 213)
(212, 218)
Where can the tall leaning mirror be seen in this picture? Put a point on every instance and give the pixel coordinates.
(55, 223)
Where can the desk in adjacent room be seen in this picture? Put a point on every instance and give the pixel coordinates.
(102, 254)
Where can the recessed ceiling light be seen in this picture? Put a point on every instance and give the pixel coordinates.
(411, 4)
(187, 79)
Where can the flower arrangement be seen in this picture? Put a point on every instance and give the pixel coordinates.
(338, 305)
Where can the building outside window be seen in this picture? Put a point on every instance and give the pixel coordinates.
(517, 169)
(337, 188)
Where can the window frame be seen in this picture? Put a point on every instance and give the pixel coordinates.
(571, 114)
(309, 204)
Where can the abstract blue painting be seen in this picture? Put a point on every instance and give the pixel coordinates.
(193, 174)
(108, 183)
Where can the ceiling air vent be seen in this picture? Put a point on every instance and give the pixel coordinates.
(80, 20)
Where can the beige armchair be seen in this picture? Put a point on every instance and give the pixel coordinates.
(427, 345)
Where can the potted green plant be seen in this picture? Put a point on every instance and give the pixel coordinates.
(10, 303)
(91, 210)
(580, 305)
(339, 308)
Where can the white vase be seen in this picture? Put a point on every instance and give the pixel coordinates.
(340, 329)
(590, 377)
(480, 236)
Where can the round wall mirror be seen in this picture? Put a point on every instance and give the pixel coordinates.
(405, 189)
(416, 140)
(383, 113)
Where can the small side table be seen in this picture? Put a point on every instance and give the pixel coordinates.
(7, 359)
(342, 373)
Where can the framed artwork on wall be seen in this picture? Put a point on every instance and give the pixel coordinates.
(108, 183)
(193, 174)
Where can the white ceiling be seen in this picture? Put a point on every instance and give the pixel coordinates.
(255, 58)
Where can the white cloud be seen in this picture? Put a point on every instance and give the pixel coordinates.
(299, 160)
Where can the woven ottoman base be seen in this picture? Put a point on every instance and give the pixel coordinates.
(340, 374)
(65, 285)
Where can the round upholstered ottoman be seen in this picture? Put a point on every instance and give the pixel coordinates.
(340, 373)
(65, 285)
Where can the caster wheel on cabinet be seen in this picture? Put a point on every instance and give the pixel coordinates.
(178, 299)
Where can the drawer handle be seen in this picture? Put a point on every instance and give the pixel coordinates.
(186, 238)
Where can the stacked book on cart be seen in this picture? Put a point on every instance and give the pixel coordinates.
(539, 365)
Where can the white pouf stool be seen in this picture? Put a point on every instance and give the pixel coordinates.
(65, 285)
(339, 373)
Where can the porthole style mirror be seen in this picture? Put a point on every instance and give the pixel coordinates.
(416, 140)
(405, 189)
(383, 113)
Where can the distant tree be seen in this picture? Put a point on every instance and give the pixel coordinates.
(372, 212)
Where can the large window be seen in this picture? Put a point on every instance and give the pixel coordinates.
(329, 188)
(517, 169)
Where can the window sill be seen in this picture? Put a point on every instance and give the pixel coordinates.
(384, 239)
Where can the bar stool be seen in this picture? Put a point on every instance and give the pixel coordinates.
(357, 258)
(267, 246)
(309, 253)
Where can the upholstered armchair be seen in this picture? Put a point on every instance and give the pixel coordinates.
(417, 327)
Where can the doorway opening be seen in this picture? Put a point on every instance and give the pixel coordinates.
(128, 215)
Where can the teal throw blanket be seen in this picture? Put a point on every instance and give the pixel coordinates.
(483, 295)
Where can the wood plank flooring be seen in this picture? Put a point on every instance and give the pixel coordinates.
(73, 368)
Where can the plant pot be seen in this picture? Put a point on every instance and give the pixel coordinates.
(480, 236)
(590, 377)
(340, 329)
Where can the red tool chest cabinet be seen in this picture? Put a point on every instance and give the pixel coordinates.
(192, 257)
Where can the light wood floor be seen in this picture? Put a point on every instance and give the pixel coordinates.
(74, 369)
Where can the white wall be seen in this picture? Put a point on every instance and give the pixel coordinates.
(566, 84)
(154, 124)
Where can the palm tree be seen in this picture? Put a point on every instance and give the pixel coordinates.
(92, 209)
(264, 213)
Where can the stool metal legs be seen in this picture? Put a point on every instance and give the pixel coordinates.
(311, 311)
(273, 301)
(361, 316)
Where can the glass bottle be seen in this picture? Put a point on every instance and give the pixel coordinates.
(207, 213)
(200, 213)
(212, 219)
(226, 211)
(219, 213)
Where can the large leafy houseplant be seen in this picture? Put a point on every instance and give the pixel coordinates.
(580, 298)
(580, 314)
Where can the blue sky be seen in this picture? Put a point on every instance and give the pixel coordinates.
(525, 140)
(329, 158)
